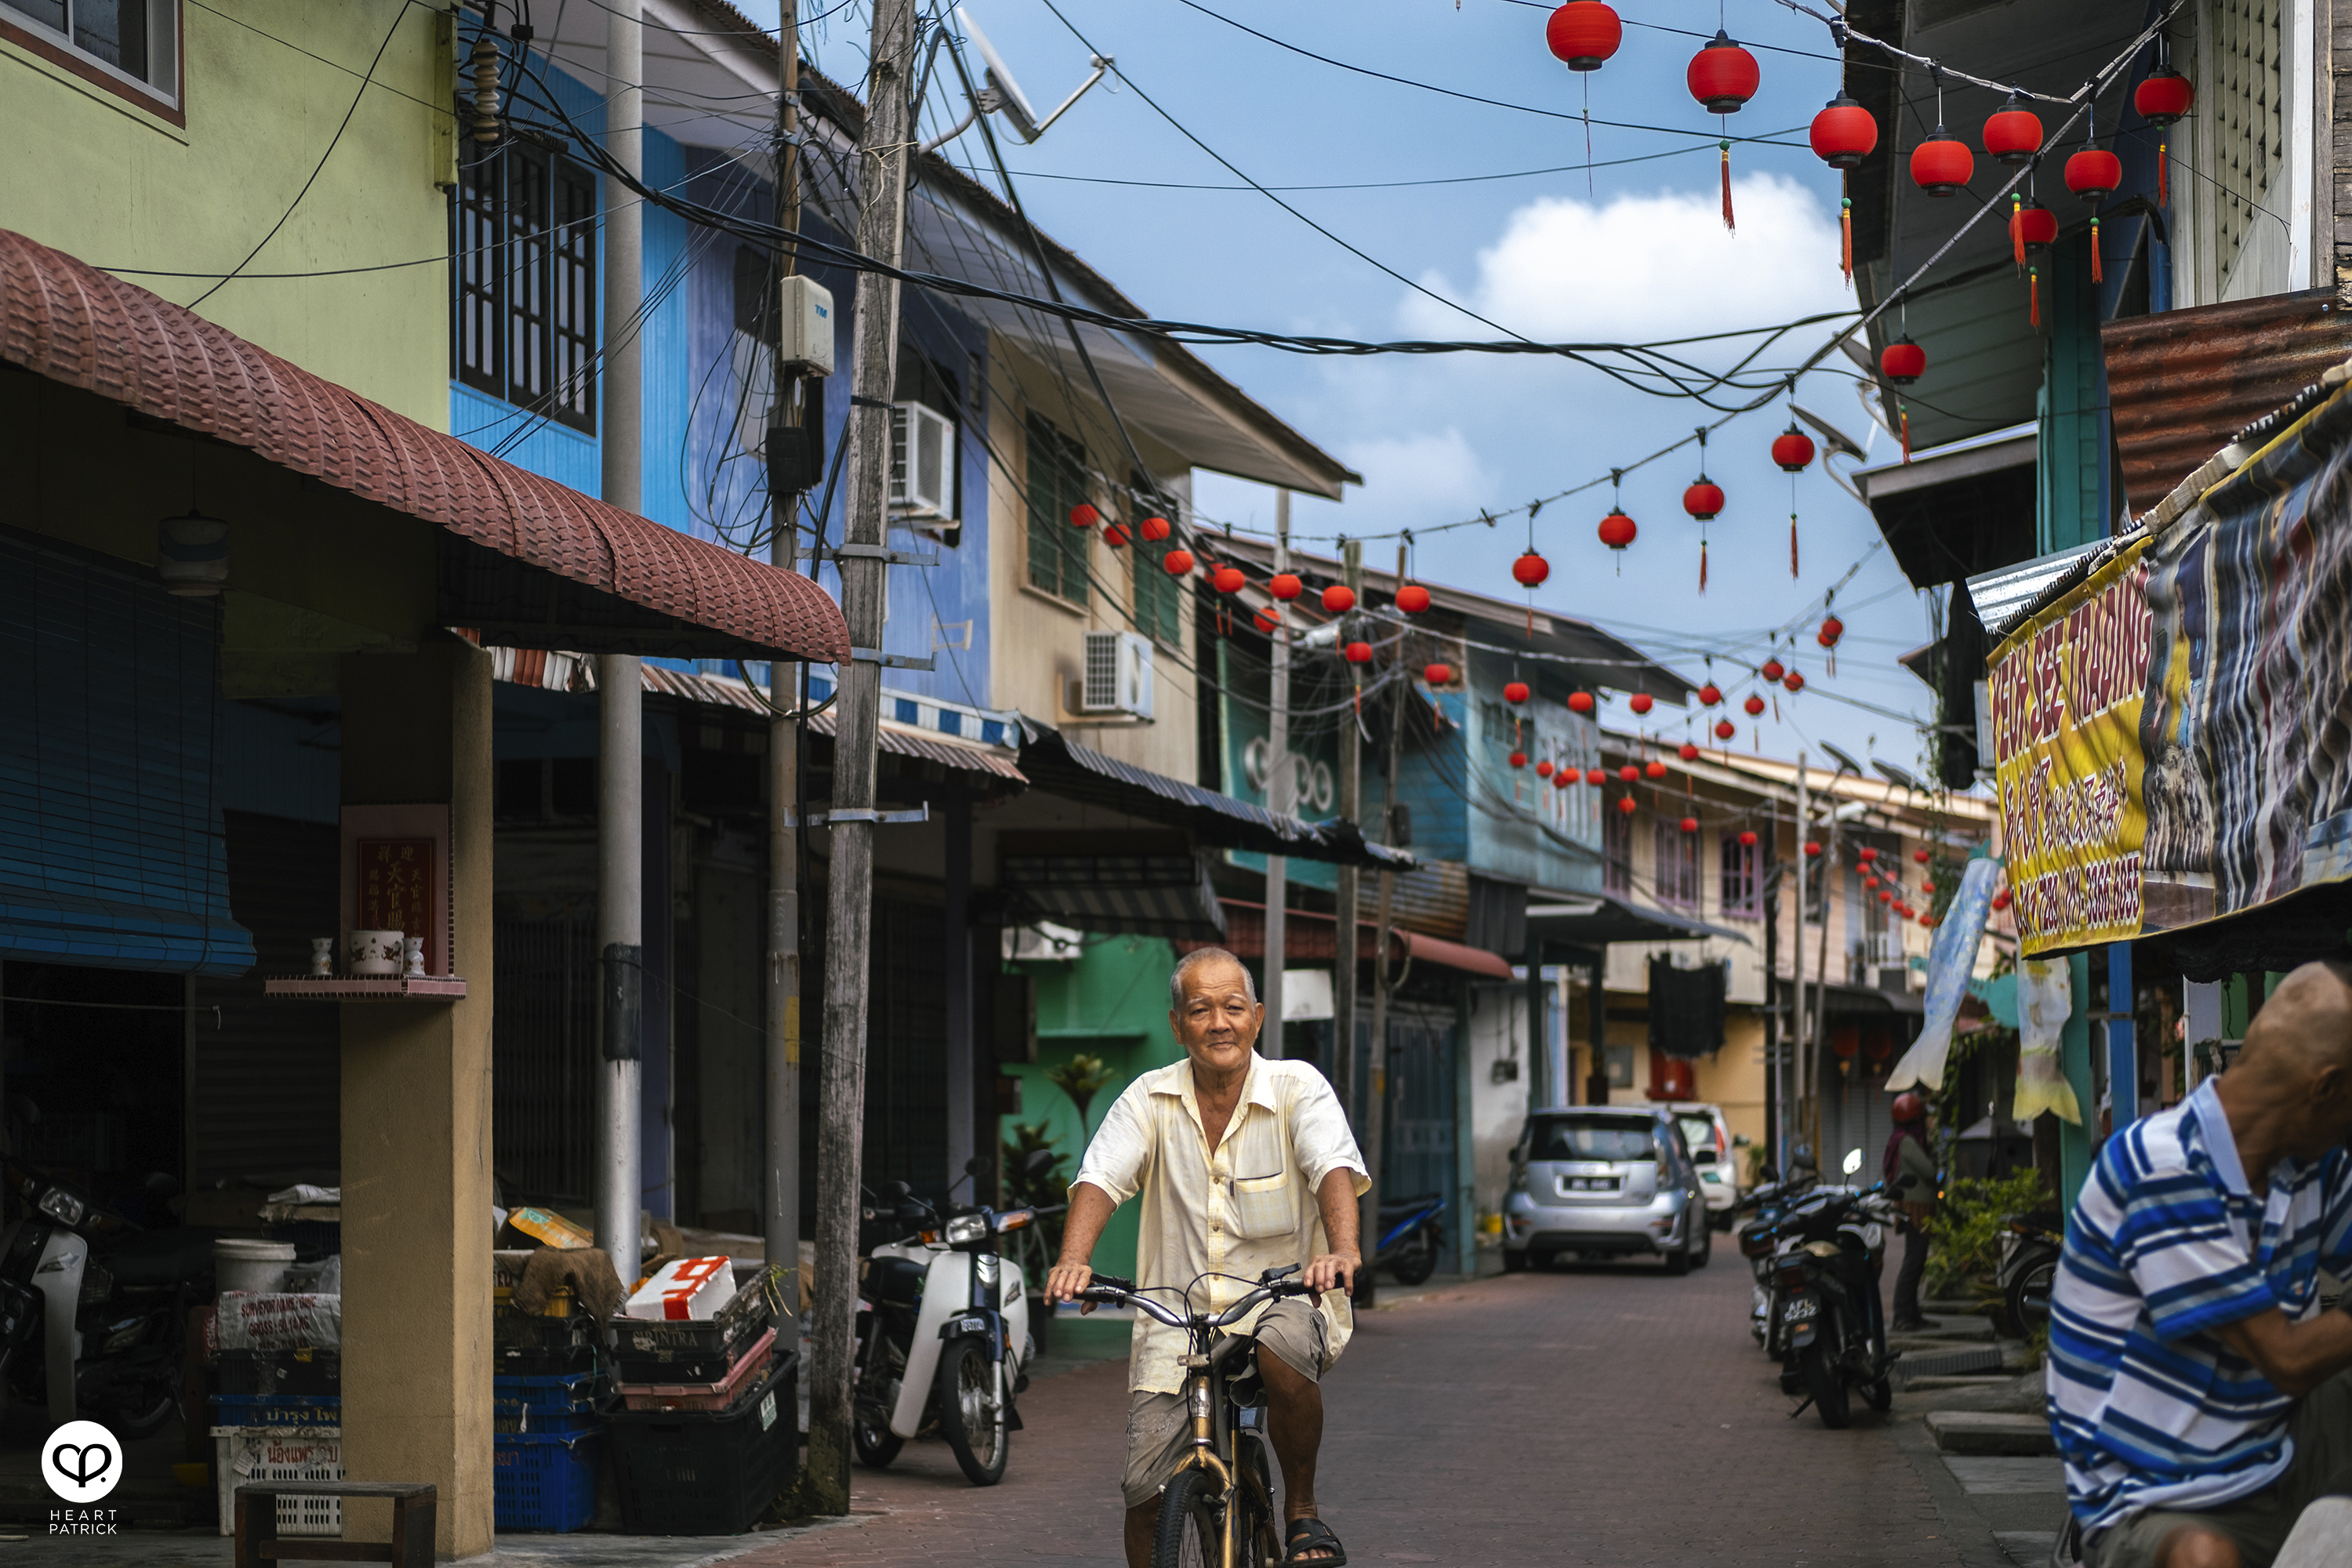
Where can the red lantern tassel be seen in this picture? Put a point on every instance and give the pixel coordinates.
(2097, 276)
(2016, 229)
(1846, 240)
(1702, 565)
(1833, 661)
(1792, 545)
(1905, 418)
(2033, 296)
(2163, 187)
(1726, 147)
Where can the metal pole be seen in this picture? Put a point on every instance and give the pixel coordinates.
(1775, 1093)
(849, 923)
(620, 689)
(1792, 1096)
(1341, 1068)
(1821, 988)
(2123, 1041)
(782, 1197)
(1376, 1088)
(1277, 795)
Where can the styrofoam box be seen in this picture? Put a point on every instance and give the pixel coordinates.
(686, 1287)
(242, 1455)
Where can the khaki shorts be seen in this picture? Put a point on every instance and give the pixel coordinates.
(1157, 1429)
(2258, 1524)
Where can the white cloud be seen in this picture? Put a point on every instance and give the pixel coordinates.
(1645, 267)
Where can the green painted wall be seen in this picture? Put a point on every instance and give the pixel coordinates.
(1111, 1003)
(119, 186)
(2072, 434)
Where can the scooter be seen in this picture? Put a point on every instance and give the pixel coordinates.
(2029, 1248)
(94, 1310)
(942, 1333)
(1829, 1248)
(1758, 1242)
(1411, 1238)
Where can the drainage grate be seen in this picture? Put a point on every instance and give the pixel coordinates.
(1947, 1364)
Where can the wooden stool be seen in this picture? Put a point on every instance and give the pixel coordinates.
(411, 1545)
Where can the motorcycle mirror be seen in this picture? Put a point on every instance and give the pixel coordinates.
(1037, 1162)
(979, 1165)
(1852, 1162)
(1768, 1172)
(898, 1190)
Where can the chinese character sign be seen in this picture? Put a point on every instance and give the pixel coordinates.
(396, 893)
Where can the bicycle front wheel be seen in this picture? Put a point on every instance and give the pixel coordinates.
(1192, 1523)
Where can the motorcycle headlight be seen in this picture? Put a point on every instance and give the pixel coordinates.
(966, 1228)
(63, 1206)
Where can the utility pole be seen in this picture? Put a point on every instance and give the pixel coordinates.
(1376, 1088)
(1341, 1070)
(1793, 1102)
(1775, 1091)
(620, 684)
(1821, 987)
(783, 1204)
(1277, 794)
(881, 234)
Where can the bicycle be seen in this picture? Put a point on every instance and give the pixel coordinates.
(1217, 1510)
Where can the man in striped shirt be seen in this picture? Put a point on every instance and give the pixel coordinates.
(2196, 1389)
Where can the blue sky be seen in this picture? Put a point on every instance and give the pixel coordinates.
(1635, 251)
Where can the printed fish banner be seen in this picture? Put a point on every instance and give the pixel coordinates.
(1950, 962)
(2045, 1000)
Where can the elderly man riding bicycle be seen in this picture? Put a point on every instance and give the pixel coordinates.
(1243, 1166)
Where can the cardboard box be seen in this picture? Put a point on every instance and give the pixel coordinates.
(688, 1287)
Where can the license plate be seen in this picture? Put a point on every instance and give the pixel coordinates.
(1800, 1309)
(968, 1326)
(1592, 1184)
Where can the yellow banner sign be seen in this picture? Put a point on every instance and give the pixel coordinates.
(2067, 689)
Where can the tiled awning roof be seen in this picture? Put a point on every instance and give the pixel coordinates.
(598, 578)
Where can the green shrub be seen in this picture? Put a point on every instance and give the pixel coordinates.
(1967, 1228)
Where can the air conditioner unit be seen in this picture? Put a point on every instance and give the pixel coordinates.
(1118, 676)
(922, 462)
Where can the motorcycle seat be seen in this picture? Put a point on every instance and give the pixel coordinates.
(158, 1256)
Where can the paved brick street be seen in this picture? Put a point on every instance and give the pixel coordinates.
(1603, 1416)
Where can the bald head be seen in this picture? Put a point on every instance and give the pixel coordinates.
(2305, 1027)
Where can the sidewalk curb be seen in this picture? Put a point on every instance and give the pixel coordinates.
(1971, 1532)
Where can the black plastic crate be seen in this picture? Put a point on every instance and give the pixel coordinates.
(654, 1349)
(512, 1360)
(281, 1371)
(687, 1473)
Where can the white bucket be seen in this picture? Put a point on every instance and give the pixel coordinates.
(258, 1266)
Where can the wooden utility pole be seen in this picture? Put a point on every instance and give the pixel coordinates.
(1376, 1087)
(881, 234)
(1342, 1066)
(787, 473)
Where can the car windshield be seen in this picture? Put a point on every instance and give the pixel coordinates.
(1591, 1138)
(1698, 1131)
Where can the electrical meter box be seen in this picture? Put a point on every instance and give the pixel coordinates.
(807, 327)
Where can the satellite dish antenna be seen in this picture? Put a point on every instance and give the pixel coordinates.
(1894, 776)
(1847, 762)
(1004, 95)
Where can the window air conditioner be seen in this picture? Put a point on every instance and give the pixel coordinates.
(1118, 676)
(922, 457)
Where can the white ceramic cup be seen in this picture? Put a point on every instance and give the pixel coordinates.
(373, 952)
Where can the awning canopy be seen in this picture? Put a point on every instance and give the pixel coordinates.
(1077, 772)
(1134, 894)
(1596, 919)
(527, 561)
(1310, 937)
(1958, 510)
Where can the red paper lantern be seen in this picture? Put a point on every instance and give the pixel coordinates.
(1844, 134)
(2092, 173)
(1870, 881)
(1584, 34)
(1773, 669)
(1596, 777)
(1723, 76)
(1794, 681)
(2034, 225)
(1338, 599)
(1439, 675)
(1519, 759)
(1704, 500)
(1529, 569)
(1755, 706)
(1625, 805)
(1922, 855)
(1268, 618)
(2014, 134)
(1115, 535)
(1153, 529)
(1941, 164)
(1865, 854)
(1227, 580)
(1084, 516)
(1617, 530)
(1177, 563)
(1655, 769)
(2001, 899)
(1792, 449)
(1709, 695)
(1724, 728)
(1515, 692)
(1687, 752)
(1690, 824)
(1831, 629)
(1543, 769)
(1927, 920)
(1886, 897)
(1412, 598)
(1565, 777)
(1580, 703)
(1747, 838)
(1285, 585)
(1812, 850)
(2164, 97)
(1903, 362)
(1641, 703)
(1630, 774)
(1359, 653)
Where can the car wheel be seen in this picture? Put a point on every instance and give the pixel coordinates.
(1705, 1244)
(1539, 1262)
(1678, 1261)
(1514, 1262)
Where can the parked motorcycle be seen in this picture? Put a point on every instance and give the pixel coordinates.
(2029, 1247)
(1412, 1241)
(943, 1332)
(93, 1309)
(1827, 1324)
(1767, 1202)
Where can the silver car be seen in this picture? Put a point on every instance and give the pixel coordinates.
(1604, 1182)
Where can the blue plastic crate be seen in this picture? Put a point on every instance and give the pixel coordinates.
(278, 1409)
(564, 1391)
(506, 1420)
(546, 1480)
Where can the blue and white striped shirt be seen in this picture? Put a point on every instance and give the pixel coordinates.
(2167, 1243)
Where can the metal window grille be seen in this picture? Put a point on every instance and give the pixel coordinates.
(525, 323)
(1740, 884)
(1677, 863)
(1058, 552)
(1616, 851)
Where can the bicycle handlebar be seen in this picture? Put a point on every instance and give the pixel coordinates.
(1109, 1290)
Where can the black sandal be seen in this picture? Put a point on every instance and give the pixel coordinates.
(1313, 1535)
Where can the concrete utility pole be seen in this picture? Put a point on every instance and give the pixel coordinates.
(1792, 1103)
(1376, 1088)
(1341, 1068)
(1822, 989)
(849, 923)
(1277, 794)
(620, 685)
(782, 1202)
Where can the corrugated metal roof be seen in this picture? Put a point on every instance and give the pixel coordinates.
(68, 321)
(2004, 598)
(2181, 383)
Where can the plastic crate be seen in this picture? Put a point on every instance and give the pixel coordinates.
(281, 1371)
(278, 1409)
(559, 1391)
(510, 1329)
(690, 1350)
(683, 1472)
(244, 1456)
(721, 1395)
(545, 1480)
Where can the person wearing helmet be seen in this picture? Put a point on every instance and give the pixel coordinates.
(1909, 1167)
